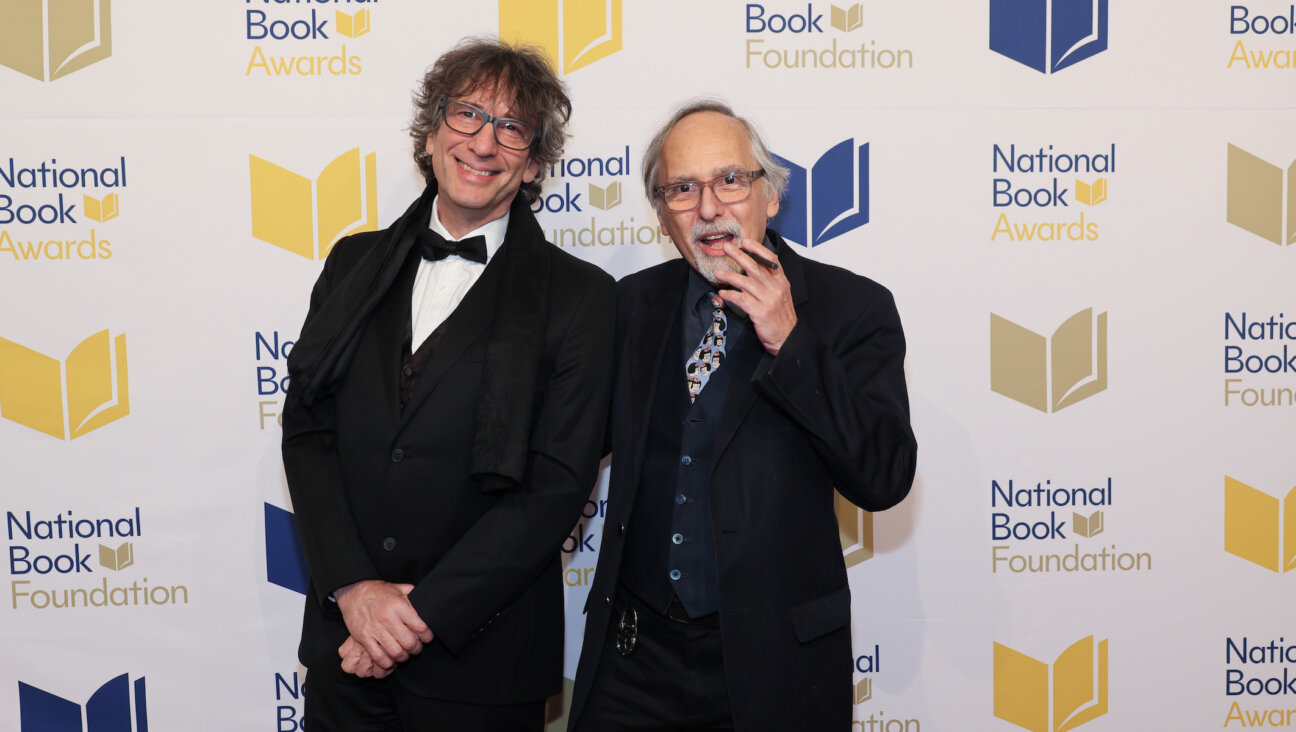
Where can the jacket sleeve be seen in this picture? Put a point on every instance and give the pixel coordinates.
(504, 552)
(330, 540)
(845, 388)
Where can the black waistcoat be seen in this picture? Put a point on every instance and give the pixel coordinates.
(670, 547)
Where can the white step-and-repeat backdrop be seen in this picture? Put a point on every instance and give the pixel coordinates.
(1084, 209)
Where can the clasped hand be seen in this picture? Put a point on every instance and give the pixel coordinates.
(385, 629)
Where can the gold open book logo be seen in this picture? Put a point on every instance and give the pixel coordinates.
(1087, 526)
(572, 33)
(101, 209)
(863, 690)
(1261, 196)
(1076, 683)
(117, 559)
(605, 198)
(848, 18)
(855, 529)
(65, 399)
(1259, 527)
(1049, 376)
(353, 25)
(307, 217)
(49, 39)
(1091, 193)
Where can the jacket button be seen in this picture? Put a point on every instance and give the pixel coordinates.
(621, 528)
(675, 574)
(389, 544)
(686, 461)
(398, 455)
(607, 599)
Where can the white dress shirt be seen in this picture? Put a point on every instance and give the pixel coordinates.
(440, 286)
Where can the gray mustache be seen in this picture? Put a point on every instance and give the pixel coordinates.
(703, 228)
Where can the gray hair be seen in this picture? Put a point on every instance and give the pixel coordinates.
(776, 176)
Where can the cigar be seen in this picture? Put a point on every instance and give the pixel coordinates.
(767, 264)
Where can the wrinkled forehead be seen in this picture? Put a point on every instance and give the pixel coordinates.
(705, 145)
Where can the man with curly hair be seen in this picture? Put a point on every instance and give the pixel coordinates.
(444, 422)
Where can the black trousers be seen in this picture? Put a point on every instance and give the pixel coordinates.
(383, 705)
(673, 680)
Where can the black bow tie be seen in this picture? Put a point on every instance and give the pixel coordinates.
(435, 247)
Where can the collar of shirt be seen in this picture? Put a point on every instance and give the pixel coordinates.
(440, 286)
(695, 292)
(493, 231)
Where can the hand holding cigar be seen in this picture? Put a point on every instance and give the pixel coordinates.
(761, 260)
(762, 291)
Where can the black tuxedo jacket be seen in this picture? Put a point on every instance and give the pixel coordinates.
(830, 410)
(385, 493)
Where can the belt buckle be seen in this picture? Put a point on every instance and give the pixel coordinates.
(627, 631)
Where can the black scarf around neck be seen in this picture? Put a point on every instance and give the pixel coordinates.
(502, 425)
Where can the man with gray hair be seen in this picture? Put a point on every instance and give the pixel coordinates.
(443, 424)
(721, 600)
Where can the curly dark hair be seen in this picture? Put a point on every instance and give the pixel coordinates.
(522, 72)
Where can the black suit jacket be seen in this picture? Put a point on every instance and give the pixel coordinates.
(830, 410)
(382, 493)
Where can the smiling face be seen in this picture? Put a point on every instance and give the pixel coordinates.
(477, 178)
(700, 147)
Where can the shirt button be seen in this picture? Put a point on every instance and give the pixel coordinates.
(675, 574)
(389, 544)
(680, 499)
(686, 460)
(677, 539)
(398, 455)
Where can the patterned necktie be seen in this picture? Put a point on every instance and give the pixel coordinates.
(436, 247)
(710, 353)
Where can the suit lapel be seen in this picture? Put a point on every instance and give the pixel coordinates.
(742, 393)
(654, 314)
(468, 322)
(390, 319)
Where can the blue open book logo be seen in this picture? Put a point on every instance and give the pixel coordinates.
(827, 201)
(285, 563)
(1048, 35)
(108, 710)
